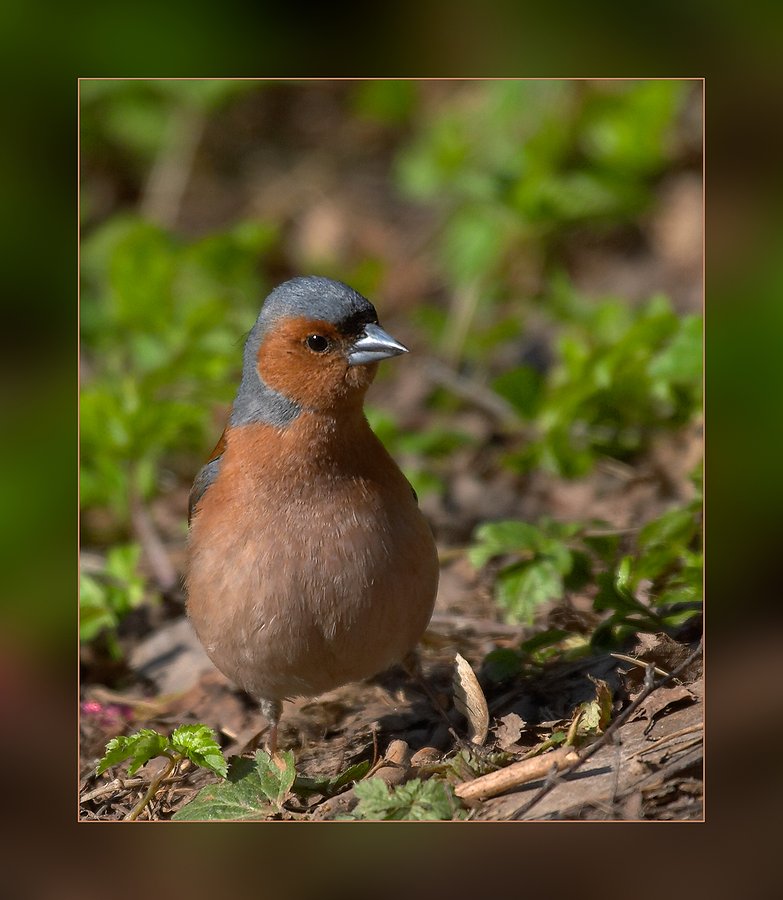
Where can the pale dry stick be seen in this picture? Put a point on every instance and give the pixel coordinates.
(152, 789)
(514, 775)
(463, 312)
(154, 550)
(639, 663)
(649, 686)
(477, 394)
(393, 765)
(171, 170)
(119, 785)
(674, 739)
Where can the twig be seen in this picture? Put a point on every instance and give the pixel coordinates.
(463, 311)
(650, 685)
(639, 663)
(152, 789)
(170, 172)
(450, 622)
(673, 738)
(119, 785)
(517, 773)
(154, 550)
(618, 761)
(475, 393)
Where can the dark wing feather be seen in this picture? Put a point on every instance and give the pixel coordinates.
(207, 474)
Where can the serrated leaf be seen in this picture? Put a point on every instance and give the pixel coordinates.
(275, 781)
(431, 800)
(470, 700)
(238, 799)
(199, 745)
(139, 747)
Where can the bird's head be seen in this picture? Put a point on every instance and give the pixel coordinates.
(314, 347)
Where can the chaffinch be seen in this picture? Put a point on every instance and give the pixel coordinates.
(310, 564)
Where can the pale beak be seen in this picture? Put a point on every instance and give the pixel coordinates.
(373, 345)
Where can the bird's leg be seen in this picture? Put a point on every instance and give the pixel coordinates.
(272, 710)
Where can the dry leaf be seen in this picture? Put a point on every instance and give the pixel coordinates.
(508, 730)
(470, 701)
(660, 700)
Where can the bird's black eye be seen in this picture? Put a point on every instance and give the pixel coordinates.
(317, 343)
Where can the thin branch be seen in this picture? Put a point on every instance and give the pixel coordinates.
(650, 685)
(128, 784)
(514, 775)
(151, 544)
(477, 394)
(171, 170)
(152, 789)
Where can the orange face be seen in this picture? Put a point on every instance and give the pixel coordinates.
(306, 361)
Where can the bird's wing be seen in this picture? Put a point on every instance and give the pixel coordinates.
(206, 476)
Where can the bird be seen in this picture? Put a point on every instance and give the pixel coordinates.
(310, 564)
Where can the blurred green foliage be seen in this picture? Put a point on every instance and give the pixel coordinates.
(134, 119)
(107, 596)
(508, 171)
(620, 374)
(655, 584)
(162, 325)
(521, 160)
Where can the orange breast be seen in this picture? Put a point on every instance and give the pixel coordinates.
(310, 564)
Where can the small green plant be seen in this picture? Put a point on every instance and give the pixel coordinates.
(254, 789)
(655, 586)
(430, 800)
(666, 566)
(108, 595)
(542, 563)
(620, 375)
(511, 166)
(196, 743)
(162, 323)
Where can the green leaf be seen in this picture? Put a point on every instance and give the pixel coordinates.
(95, 614)
(497, 538)
(542, 640)
(431, 800)
(241, 798)
(390, 101)
(501, 664)
(675, 527)
(140, 748)
(681, 361)
(199, 745)
(275, 783)
(522, 588)
(474, 241)
(522, 387)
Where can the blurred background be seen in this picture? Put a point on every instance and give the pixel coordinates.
(538, 244)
